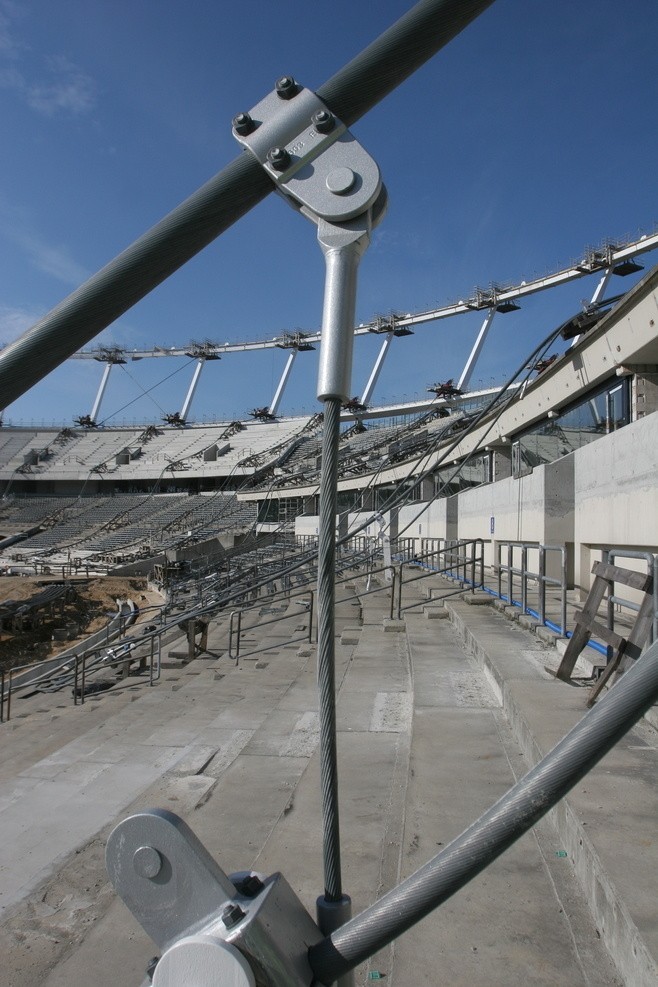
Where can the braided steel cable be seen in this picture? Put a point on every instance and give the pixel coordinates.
(396, 54)
(519, 809)
(326, 650)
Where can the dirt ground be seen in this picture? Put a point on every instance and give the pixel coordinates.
(89, 605)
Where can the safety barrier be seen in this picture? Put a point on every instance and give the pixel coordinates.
(82, 669)
(459, 560)
(609, 556)
(235, 628)
(526, 575)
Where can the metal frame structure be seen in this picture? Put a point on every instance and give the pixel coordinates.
(244, 929)
(492, 300)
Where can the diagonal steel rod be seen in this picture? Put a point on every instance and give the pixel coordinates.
(207, 213)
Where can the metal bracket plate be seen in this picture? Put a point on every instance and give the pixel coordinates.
(327, 174)
(199, 917)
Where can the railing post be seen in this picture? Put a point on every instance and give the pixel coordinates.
(82, 684)
(499, 570)
(230, 635)
(563, 595)
(400, 593)
(310, 618)
(510, 578)
(11, 672)
(542, 584)
(654, 626)
(393, 588)
(524, 579)
(610, 607)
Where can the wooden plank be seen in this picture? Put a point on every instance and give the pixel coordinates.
(640, 632)
(632, 650)
(607, 674)
(601, 631)
(581, 634)
(613, 573)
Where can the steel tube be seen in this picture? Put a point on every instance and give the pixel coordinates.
(396, 54)
(516, 812)
(542, 584)
(132, 275)
(219, 203)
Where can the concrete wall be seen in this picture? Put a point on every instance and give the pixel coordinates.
(616, 494)
(603, 495)
(424, 520)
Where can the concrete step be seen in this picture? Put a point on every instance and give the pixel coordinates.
(607, 822)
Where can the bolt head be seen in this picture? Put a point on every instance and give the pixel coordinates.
(243, 124)
(231, 915)
(286, 87)
(147, 862)
(323, 121)
(250, 886)
(340, 180)
(279, 158)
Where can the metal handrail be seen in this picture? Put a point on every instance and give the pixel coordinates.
(526, 574)
(469, 562)
(81, 669)
(265, 623)
(609, 555)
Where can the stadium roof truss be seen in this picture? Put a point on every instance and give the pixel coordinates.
(607, 260)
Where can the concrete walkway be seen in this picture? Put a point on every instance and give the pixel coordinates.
(424, 745)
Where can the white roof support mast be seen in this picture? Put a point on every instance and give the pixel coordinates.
(469, 366)
(191, 389)
(376, 370)
(276, 400)
(101, 391)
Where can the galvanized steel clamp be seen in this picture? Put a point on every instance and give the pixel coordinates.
(322, 171)
(214, 930)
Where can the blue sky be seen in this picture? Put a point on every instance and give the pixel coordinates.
(530, 136)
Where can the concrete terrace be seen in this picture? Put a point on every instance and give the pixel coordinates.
(436, 719)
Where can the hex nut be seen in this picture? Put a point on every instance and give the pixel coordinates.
(231, 915)
(286, 87)
(250, 886)
(243, 124)
(323, 121)
(279, 158)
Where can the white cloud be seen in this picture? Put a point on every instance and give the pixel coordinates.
(14, 322)
(67, 89)
(51, 85)
(53, 259)
(9, 46)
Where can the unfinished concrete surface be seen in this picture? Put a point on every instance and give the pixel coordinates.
(435, 722)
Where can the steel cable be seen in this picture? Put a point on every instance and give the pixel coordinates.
(326, 650)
